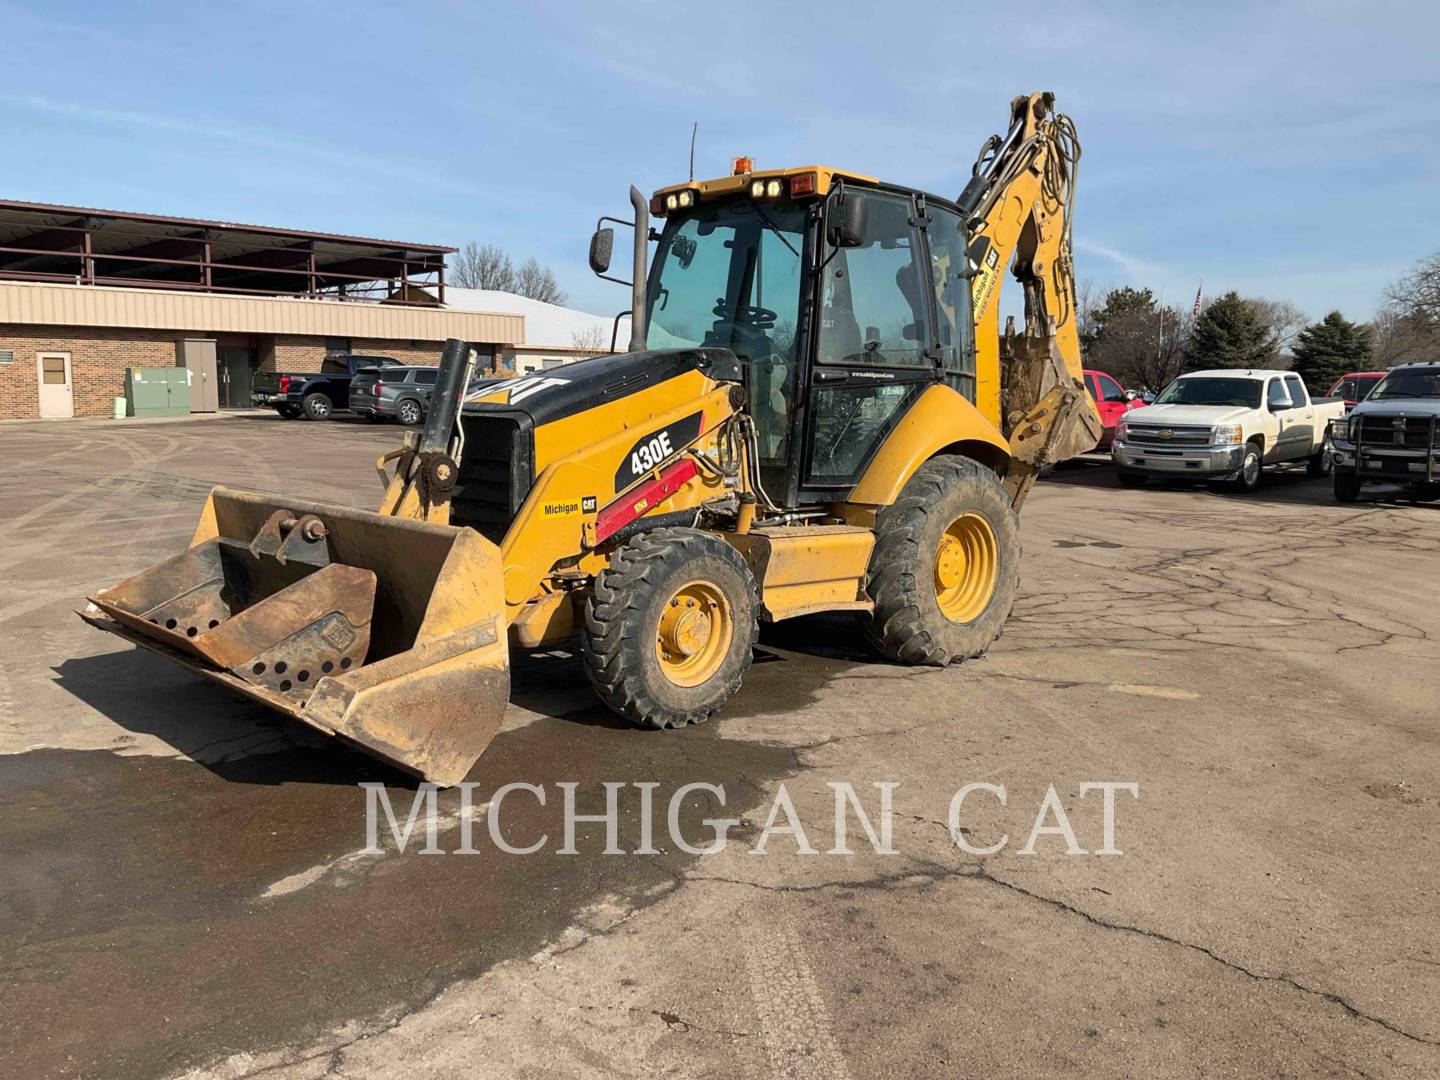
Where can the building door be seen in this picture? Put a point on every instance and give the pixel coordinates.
(57, 387)
(198, 355)
(235, 367)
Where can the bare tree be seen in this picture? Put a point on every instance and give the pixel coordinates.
(478, 266)
(1397, 339)
(593, 339)
(538, 283)
(1417, 294)
(1408, 326)
(1283, 319)
(1089, 297)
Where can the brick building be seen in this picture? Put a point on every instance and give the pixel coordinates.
(86, 294)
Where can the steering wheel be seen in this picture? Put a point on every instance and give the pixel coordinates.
(749, 316)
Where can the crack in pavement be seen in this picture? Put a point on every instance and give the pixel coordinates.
(924, 874)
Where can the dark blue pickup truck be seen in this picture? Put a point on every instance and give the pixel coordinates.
(313, 394)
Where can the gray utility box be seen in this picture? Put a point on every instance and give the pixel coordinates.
(157, 391)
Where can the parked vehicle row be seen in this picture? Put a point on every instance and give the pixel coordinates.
(315, 395)
(375, 387)
(1226, 426)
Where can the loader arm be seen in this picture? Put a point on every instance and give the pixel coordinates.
(1018, 207)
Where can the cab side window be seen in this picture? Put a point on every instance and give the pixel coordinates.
(1109, 389)
(873, 310)
(1297, 391)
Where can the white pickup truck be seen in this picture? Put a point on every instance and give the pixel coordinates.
(1226, 425)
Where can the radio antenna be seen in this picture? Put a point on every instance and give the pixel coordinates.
(693, 130)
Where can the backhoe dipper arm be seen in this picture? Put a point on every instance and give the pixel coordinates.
(1018, 207)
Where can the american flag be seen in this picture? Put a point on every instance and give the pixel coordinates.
(1195, 311)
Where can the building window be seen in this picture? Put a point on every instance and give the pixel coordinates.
(337, 346)
(7, 356)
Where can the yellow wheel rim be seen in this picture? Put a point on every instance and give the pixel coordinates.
(967, 565)
(694, 635)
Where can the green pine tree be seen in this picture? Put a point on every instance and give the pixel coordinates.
(1330, 348)
(1230, 334)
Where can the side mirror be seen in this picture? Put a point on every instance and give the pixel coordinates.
(602, 245)
(845, 218)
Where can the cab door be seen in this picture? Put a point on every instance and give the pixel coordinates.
(1299, 420)
(874, 350)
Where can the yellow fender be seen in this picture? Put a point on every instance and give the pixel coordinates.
(941, 421)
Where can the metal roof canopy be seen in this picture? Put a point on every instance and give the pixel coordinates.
(80, 245)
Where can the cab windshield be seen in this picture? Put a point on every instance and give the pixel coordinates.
(728, 275)
(1424, 383)
(1207, 390)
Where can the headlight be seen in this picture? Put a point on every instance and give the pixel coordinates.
(672, 201)
(1229, 433)
(772, 188)
(757, 189)
(1340, 429)
(686, 198)
(1121, 430)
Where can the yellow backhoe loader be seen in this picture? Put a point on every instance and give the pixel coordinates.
(817, 411)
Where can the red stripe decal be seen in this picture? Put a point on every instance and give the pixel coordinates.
(641, 500)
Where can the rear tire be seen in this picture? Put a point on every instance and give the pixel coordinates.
(1131, 479)
(670, 627)
(1347, 485)
(946, 564)
(1252, 468)
(317, 407)
(288, 412)
(1321, 463)
(409, 413)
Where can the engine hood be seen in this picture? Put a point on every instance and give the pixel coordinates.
(1399, 407)
(571, 388)
(1188, 415)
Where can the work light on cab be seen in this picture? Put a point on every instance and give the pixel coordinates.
(660, 205)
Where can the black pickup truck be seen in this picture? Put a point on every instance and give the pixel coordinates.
(314, 395)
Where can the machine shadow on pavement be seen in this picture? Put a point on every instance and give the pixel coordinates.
(225, 733)
(242, 742)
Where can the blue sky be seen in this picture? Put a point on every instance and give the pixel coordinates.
(1288, 150)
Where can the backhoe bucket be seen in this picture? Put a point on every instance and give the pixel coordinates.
(388, 632)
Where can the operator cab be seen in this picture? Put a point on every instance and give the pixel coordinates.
(843, 297)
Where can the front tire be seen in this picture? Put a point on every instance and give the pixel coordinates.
(946, 565)
(1347, 485)
(317, 407)
(1321, 463)
(670, 627)
(1252, 468)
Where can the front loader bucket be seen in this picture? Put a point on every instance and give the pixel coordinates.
(386, 631)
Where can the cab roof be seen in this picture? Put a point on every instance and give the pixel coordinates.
(825, 177)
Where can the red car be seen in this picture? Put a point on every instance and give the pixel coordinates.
(1112, 400)
(1355, 386)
